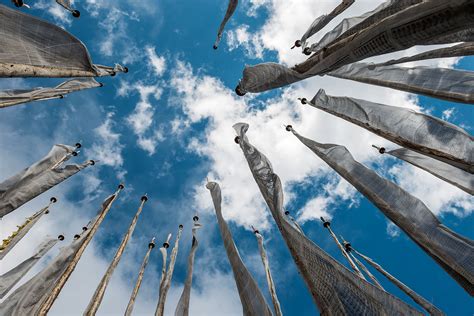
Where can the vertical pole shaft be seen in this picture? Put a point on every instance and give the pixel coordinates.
(48, 303)
(100, 291)
(133, 297)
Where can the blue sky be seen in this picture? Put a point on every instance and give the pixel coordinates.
(167, 125)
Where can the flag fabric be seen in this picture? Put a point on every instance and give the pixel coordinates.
(453, 252)
(252, 299)
(324, 20)
(36, 48)
(442, 83)
(38, 178)
(268, 274)
(22, 230)
(420, 24)
(460, 50)
(9, 279)
(335, 289)
(417, 131)
(166, 279)
(138, 283)
(430, 308)
(228, 14)
(182, 309)
(99, 293)
(14, 97)
(455, 176)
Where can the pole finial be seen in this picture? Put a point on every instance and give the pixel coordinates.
(237, 139)
(289, 128)
(303, 100)
(121, 186)
(151, 244)
(196, 218)
(53, 199)
(144, 198)
(61, 237)
(239, 92)
(255, 231)
(326, 224)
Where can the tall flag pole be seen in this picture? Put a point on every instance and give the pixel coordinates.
(138, 283)
(453, 252)
(268, 274)
(335, 289)
(166, 284)
(37, 295)
(36, 48)
(442, 170)
(182, 309)
(228, 14)
(46, 306)
(354, 267)
(39, 177)
(252, 299)
(419, 132)
(12, 277)
(23, 229)
(99, 293)
(430, 308)
(348, 248)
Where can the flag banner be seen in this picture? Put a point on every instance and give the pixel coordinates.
(35, 48)
(455, 176)
(252, 299)
(22, 230)
(38, 178)
(442, 83)
(324, 20)
(182, 309)
(335, 289)
(453, 252)
(419, 24)
(420, 132)
(228, 14)
(12, 277)
(13, 97)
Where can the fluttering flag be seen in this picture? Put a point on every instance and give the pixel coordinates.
(138, 283)
(430, 308)
(455, 176)
(354, 267)
(322, 21)
(442, 83)
(335, 289)
(352, 25)
(37, 296)
(252, 299)
(36, 48)
(38, 178)
(23, 229)
(453, 252)
(166, 278)
(9, 279)
(182, 309)
(268, 273)
(416, 131)
(424, 23)
(13, 97)
(98, 295)
(459, 50)
(228, 14)
(66, 4)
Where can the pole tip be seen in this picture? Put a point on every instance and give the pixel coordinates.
(151, 244)
(74, 153)
(287, 213)
(101, 84)
(166, 245)
(180, 226)
(84, 228)
(121, 186)
(214, 46)
(91, 162)
(326, 224)
(289, 128)
(195, 218)
(77, 236)
(76, 13)
(297, 43)
(61, 237)
(144, 198)
(53, 200)
(78, 145)
(239, 92)
(307, 51)
(237, 139)
(303, 100)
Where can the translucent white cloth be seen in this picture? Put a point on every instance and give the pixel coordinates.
(228, 14)
(335, 289)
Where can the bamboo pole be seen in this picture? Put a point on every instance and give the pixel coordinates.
(138, 283)
(48, 303)
(99, 293)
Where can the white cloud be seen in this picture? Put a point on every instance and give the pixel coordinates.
(240, 37)
(448, 114)
(157, 63)
(107, 148)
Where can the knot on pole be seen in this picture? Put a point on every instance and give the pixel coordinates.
(326, 223)
(237, 139)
